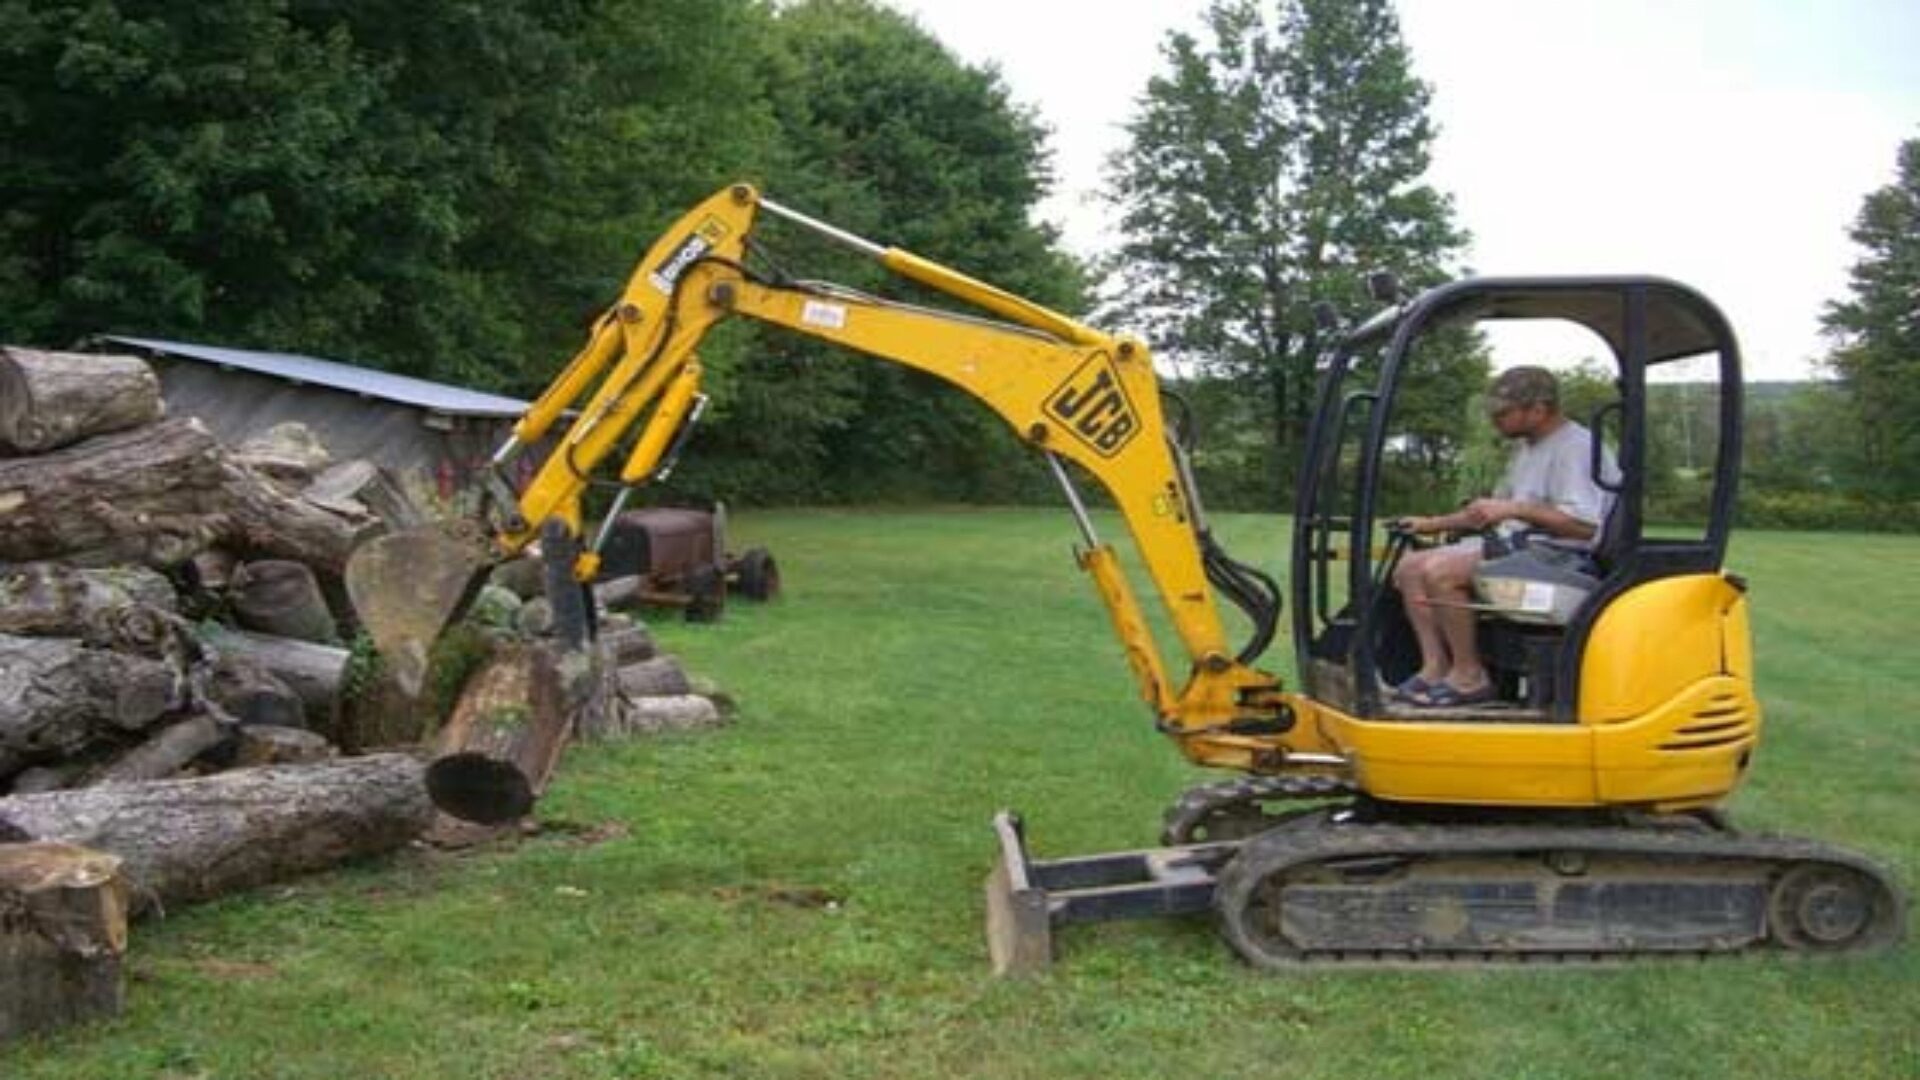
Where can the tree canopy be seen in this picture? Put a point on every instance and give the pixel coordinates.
(1877, 333)
(453, 190)
(1274, 162)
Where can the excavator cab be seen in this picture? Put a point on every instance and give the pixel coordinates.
(1661, 392)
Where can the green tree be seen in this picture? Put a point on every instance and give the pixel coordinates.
(1273, 164)
(885, 133)
(1877, 333)
(179, 168)
(440, 187)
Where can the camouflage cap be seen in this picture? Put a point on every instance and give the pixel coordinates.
(1523, 386)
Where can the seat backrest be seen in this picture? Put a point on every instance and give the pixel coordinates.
(1611, 542)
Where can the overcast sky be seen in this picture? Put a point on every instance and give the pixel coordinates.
(1724, 143)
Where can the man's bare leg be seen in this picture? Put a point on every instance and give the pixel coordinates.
(1449, 582)
(1410, 577)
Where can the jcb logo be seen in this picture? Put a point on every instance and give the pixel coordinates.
(705, 238)
(1094, 406)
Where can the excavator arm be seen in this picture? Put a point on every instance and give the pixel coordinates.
(1072, 392)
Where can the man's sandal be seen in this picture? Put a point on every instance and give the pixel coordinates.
(1444, 695)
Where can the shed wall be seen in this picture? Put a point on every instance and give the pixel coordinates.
(236, 405)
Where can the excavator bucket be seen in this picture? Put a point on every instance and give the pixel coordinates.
(407, 587)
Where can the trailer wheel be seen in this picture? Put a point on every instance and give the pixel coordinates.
(759, 575)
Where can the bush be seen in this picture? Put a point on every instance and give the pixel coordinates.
(1827, 511)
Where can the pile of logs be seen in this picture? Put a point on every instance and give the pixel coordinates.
(176, 684)
(164, 600)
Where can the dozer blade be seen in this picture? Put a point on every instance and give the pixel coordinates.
(407, 587)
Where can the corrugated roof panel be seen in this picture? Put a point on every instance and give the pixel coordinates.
(439, 397)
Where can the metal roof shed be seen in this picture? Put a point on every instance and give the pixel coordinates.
(417, 429)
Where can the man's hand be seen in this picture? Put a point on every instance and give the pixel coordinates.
(1486, 513)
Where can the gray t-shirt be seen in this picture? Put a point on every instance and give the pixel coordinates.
(1558, 471)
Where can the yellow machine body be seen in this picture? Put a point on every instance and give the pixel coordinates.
(1667, 719)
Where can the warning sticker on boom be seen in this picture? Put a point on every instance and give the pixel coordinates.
(1094, 406)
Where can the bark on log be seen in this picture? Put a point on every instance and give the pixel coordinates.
(659, 676)
(498, 750)
(57, 696)
(282, 598)
(63, 931)
(51, 399)
(651, 716)
(186, 840)
(166, 752)
(314, 672)
(157, 495)
(125, 608)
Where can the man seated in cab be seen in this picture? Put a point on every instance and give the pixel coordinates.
(1548, 492)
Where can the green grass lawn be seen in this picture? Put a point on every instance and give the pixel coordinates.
(799, 895)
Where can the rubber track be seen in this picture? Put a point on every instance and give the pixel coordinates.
(1284, 850)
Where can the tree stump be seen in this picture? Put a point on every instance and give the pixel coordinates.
(63, 931)
(51, 399)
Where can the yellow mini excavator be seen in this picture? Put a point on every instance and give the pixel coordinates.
(1573, 818)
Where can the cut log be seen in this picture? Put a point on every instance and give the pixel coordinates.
(314, 672)
(57, 696)
(250, 694)
(51, 399)
(496, 753)
(186, 840)
(288, 452)
(156, 495)
(625, 647)
(265, 745)
(661, 675)
(534, 619)
(282, 598)
(619, 592)
(524, 575)
(63, 931)
(213, 569)
(165, 752)
(652, 716)
(47, 778)
(360, 488)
